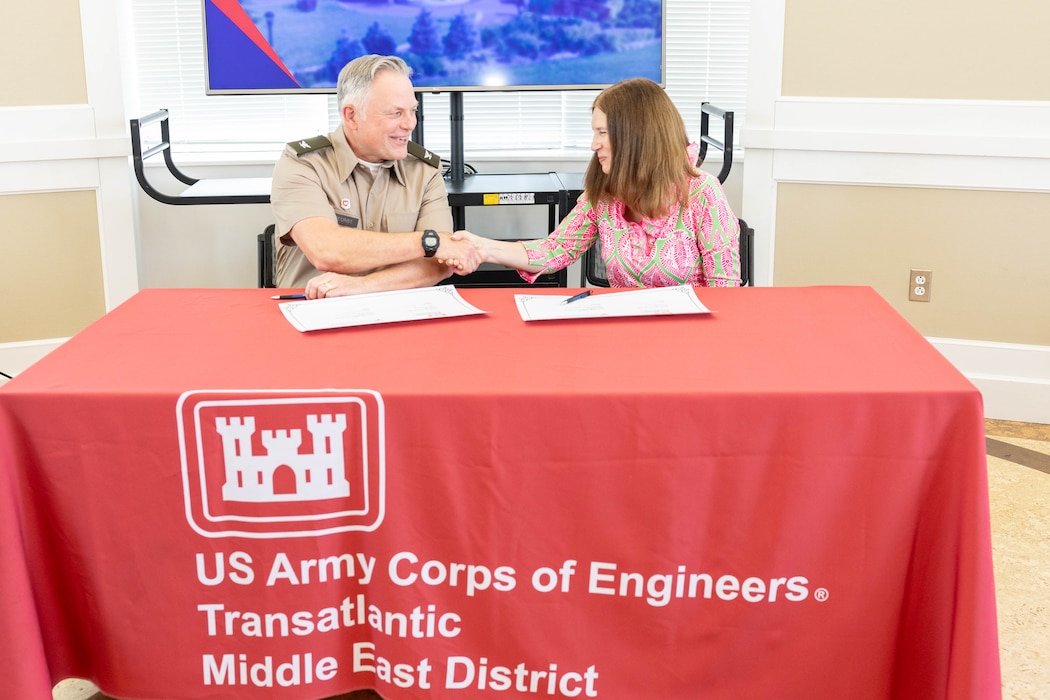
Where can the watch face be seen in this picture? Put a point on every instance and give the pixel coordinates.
(431, 241)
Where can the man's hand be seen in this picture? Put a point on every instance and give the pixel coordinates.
(332, 284)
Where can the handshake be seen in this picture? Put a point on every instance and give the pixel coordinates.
(464, 251)
(459, 253)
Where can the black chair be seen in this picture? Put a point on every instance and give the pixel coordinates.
(267, 261)
(594, 265)
(747, 255)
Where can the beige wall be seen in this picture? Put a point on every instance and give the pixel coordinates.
(52, 264)
(43, 53)
(855, 210)
(987, 250)
(52, 259)
(944, 49)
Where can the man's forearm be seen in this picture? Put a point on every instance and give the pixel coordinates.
(408, 275)
(333, 248)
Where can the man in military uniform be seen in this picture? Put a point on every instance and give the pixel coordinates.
(364, 209)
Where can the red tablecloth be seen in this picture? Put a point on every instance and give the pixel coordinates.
(786, 498)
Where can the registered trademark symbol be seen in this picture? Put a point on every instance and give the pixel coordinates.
(820, 595)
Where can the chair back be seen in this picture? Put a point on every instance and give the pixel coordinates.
(266, 260)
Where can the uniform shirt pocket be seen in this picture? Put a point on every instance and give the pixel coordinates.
(400, 222)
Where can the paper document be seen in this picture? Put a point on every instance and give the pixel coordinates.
(378, 307)
(658, 301)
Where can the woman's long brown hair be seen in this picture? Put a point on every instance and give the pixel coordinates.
(650, 169)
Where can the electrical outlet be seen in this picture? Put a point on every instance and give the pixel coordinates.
(919, 285)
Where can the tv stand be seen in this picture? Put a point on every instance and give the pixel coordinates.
(482, 189)
(457, 167)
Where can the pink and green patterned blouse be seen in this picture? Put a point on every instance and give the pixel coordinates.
(696, 245)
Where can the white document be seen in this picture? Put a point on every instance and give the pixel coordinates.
(657, 301)
(378, 307)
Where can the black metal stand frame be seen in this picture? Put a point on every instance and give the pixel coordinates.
(140, 155)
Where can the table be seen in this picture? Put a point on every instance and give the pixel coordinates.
(785, 498)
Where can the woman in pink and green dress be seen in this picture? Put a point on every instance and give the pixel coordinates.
(661, 221)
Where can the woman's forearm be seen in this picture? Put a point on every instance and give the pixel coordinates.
(506, 253)
(510, 254)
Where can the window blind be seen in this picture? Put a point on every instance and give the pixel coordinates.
(705, 60)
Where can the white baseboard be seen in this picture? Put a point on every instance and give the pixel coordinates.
(1014, 379)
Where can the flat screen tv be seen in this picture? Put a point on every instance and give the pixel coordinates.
(288, 46)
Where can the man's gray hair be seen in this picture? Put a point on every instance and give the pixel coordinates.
(355, 80)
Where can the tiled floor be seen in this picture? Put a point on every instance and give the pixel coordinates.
(1019, 488)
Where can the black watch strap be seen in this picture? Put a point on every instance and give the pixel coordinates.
(431, 241)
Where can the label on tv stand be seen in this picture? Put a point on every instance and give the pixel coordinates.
(510, 198)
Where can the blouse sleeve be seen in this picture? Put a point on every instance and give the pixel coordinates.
(570, 240)
(718, 234)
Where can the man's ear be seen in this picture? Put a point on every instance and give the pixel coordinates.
(350, 116)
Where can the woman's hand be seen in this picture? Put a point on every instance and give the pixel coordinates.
(492, 250)
(480, 243)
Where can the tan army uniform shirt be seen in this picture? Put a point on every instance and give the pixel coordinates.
(319, 178)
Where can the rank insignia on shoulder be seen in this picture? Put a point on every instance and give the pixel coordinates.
(429, 157)
(314, 143)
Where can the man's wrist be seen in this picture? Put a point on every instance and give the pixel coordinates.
(431, 242)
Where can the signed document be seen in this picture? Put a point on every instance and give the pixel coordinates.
(658, 301)
(378, 307)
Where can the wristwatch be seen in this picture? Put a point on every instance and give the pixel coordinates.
(431, 241)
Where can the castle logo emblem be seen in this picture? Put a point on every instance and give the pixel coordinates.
(269, 464)
(250, 477)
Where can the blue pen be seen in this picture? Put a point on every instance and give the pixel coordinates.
(581, 295)
(289, 296)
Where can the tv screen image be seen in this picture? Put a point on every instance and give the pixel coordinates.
(282, 46)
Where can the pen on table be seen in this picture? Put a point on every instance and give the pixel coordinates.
(579, 296)
(289, 296)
